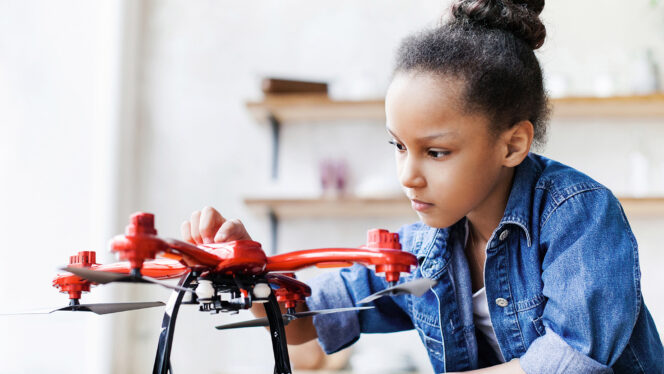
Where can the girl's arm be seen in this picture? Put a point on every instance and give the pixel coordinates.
(590, 277)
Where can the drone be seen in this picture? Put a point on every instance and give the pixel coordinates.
(227, 277)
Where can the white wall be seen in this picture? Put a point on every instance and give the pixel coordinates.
(47, 67)
(64, 175)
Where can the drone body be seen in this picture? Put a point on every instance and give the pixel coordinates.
(238, 269)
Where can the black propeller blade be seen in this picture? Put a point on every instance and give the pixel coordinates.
(103, 277)
(415, 287)
(101, 308)
(287, 317)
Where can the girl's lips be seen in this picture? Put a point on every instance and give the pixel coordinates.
(420, 206)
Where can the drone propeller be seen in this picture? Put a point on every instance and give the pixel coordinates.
(287, 317)
(415, 287)
(101, 308)
(103, 277)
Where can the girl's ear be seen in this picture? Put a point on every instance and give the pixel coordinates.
(517, 140)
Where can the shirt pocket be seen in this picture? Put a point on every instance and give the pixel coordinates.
(434, 347)
(530, 317)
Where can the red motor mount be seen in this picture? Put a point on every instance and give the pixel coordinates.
(73, 284)
(140, 241)
(383, 239)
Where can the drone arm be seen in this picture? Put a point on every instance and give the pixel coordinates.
(159, 268)
(140, 242)
(390, 261)
(191, 254)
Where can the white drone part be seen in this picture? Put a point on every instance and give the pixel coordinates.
(262, 291)
(204, 290)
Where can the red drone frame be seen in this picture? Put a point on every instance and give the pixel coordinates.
(239, 268)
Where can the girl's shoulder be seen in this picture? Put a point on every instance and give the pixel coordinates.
(560, 181)
(554, 185)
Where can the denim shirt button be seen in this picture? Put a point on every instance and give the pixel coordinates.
(501, 302)
(504, 235)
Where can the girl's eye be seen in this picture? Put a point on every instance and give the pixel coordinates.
(400, 147)
(435, 153)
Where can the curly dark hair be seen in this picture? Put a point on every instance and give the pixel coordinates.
(489, 45)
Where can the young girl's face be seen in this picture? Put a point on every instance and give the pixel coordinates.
(447, 160)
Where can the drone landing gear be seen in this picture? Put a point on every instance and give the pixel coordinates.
(162, 363)
(278, 335)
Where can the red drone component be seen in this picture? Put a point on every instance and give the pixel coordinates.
(383, 251)
(140, 245)
(240, 256)
(140, 241)
(290, 290)
(378, 238)
(72, 284)
(160, 268)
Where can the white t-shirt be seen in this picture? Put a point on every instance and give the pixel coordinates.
(481, 316)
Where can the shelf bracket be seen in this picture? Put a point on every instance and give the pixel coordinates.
(276, 130)
(274, 230)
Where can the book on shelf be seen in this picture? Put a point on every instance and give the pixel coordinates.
(277, 86)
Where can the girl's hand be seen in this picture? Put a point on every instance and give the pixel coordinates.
(209, 226)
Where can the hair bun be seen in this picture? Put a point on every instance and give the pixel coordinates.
(520, 17)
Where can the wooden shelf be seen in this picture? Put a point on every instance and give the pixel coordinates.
(643, 206)
(308, 108)
(619, 106)
(315, 107)
(398, 207)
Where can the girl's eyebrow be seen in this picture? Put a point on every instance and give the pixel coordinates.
(450, 133)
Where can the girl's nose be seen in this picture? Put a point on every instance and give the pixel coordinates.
(410, 175)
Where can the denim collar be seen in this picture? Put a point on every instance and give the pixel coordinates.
(431, 244)
(431, 250)
(519, 209)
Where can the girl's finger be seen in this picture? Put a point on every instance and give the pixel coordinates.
(194, 221)
(231, 230)
(210, 222)
(185, 232)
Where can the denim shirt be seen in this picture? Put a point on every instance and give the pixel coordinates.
(561, 276)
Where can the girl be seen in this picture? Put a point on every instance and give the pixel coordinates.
(536, 264)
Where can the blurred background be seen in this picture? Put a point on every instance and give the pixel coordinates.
(114, 106)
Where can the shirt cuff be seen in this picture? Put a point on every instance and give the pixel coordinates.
(335, 330)
(551, 354)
